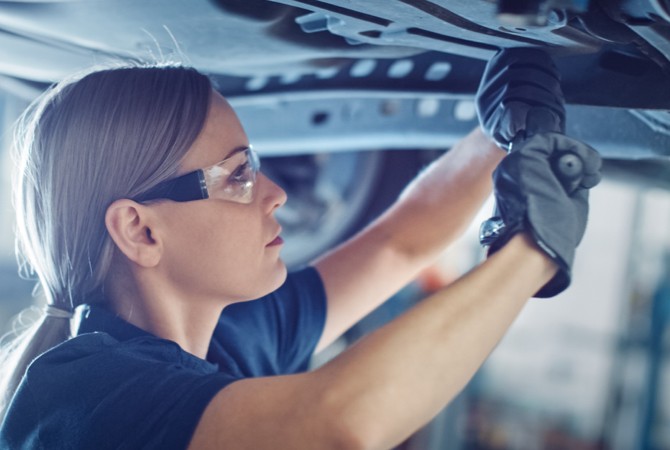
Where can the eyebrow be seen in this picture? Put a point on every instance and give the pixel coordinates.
(233, 152)
(230, 154)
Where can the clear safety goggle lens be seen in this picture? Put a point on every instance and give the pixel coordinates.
(233, 178)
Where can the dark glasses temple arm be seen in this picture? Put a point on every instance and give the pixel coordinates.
(185, 188)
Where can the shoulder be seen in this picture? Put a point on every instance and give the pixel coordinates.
(93, 359)
(102, 348)
(275, 334)
(136, 393)
(301, 287)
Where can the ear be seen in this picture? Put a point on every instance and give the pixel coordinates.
(130, 226)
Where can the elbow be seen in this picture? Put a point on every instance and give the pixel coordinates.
(346, 436)
(351, 426)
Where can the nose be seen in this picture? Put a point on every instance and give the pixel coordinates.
(273, 196)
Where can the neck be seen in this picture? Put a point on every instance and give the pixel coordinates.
(190, 326)
(188, 321)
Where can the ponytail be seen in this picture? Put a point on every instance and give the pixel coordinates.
(47, 332)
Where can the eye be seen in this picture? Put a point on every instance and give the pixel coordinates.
(240, 174)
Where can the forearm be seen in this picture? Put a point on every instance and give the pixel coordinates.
(437, 207)
(399, 377)
(388, 254)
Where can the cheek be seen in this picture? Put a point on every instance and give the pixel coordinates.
(223, 255)
(230, 251)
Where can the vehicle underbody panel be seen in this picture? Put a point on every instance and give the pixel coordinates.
(383, 60)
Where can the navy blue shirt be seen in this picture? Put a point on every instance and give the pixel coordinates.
(116, 386)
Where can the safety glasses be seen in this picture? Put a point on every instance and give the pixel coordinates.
(232, 179)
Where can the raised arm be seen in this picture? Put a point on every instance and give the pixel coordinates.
(520, 92)
(385, 387)
(432, 211)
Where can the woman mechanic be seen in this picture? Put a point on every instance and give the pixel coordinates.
(169, 351)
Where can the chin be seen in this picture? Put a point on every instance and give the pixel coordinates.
(280, 274)
(272, 278)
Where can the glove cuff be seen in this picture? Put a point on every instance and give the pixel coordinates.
(559, 282)
(556, 285)
(563, 277)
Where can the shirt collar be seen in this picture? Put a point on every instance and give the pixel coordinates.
(97, 318)
(92, 318)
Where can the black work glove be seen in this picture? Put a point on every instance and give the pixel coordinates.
(530, 198)
(520, 91)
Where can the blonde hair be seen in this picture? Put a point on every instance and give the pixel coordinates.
(84, 143)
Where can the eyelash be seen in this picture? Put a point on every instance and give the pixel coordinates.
(239, 173)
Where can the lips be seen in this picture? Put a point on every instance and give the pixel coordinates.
(276, 241)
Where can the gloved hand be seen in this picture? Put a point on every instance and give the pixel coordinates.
(530, 198)
(520, 91)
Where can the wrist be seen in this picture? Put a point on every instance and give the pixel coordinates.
(538, 259)
(489, 144)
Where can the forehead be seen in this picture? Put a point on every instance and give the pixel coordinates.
(221, 134)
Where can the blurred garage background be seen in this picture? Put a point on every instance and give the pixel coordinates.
(346, 101)
(587, 370)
